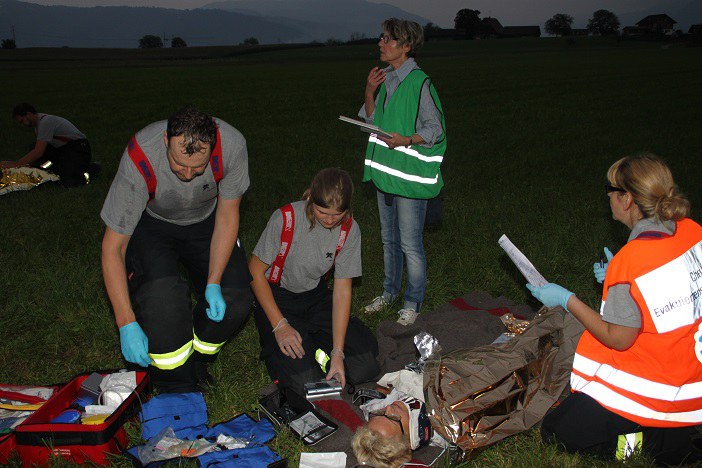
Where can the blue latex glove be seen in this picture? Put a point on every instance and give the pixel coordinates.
(551, 295)
(135, 344)
(213, 295)
(601, 271)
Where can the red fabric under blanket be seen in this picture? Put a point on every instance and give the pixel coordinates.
(342, 412)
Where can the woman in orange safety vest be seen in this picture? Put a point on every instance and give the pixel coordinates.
(637, 370)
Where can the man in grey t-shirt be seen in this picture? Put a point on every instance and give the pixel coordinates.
(60, 147)
(175, 201)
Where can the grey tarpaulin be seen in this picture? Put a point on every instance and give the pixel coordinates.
(479, 396)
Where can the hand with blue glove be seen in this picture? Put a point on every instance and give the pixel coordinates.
(135, 344)
(213, 295)
(599, 270)
(551, 295)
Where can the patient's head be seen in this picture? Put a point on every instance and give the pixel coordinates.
(384, 442)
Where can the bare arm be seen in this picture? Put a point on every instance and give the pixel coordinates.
(341, 312)
(114, 272)
(224, 237)
(30, 157)
(617, 337)
(288, 339)
(262, 291)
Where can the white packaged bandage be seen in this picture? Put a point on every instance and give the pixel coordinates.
(117, 387)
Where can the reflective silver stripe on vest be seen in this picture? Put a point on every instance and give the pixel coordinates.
(612, 399)
(407, 150)
(402, 175)
(635, 384)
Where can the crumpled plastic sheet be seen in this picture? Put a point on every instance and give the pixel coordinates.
(428, 348)
(24, 178)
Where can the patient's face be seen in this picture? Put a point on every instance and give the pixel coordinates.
(394, 423)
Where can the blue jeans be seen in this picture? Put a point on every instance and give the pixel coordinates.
(401, 228)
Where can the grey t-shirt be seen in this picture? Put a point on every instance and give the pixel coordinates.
(311, 253)
(57, 131)
(175, 201)
(620, 308)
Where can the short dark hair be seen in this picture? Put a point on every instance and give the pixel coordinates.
(195, 125)
(22, 109)
(406, 32)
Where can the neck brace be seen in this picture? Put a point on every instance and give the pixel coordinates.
(420, 430)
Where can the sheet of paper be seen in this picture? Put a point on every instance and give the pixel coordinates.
(366, 127)
(525, 266)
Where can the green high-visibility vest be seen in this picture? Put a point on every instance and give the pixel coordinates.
(411, 172)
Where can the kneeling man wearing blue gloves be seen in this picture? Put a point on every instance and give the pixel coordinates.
(175, 202)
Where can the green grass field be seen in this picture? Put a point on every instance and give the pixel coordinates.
(533, 126)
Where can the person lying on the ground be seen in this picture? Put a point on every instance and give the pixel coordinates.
(297, 316)
(397, 424)
(59, 148)
(637, 371)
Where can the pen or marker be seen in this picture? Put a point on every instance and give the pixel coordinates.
(602, 262)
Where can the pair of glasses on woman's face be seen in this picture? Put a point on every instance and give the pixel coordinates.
(392, 417)
(385, 38)
(609, 188)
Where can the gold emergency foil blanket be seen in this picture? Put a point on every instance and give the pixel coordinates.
(24, 178)
(514, 325)
(479, 396)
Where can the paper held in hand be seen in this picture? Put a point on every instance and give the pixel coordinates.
(528, 270)
(366, 127)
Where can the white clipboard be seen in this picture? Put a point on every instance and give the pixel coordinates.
(366, 127)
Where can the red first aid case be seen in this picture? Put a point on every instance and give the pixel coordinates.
(19, 395)
(37, 440)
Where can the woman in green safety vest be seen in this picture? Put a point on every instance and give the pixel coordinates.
(405, 167)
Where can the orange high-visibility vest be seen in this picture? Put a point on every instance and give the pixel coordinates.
(657, 382)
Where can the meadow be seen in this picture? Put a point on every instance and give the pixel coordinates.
(533, 126)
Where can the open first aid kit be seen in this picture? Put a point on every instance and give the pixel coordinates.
(81, 421)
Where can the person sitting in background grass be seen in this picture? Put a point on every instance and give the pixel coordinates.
(175, 200)
(59, 148)
(405, 168)
(637, 371)
(296, 314)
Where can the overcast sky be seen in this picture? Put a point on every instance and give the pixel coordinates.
(441, 12)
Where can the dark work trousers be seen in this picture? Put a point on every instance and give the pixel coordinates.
(310, 313)
(581, 424)
(161, 299)
(70, 162)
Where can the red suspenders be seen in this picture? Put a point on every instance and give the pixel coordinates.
(136, 154)
(286, 237)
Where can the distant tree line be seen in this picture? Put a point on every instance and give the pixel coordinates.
(603, 22)
(9, 44)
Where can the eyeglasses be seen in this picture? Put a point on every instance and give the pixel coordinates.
(392, 417)
(609, 188)
(385, 38)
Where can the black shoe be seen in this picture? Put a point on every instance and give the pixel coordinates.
(94, 169)
(203, 376)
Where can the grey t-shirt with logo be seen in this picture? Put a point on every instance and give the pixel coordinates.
(175, 201)
(311, 253)
(56, 130)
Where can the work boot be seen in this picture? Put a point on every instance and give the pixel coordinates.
(203, 376)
